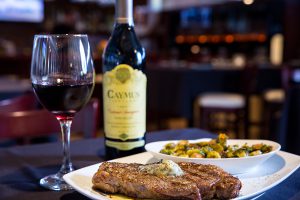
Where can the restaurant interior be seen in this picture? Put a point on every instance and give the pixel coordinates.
(212, 66)
(222, 66)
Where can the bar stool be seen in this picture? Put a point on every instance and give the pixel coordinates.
(221, 112)
(273, 100)
(232, 106)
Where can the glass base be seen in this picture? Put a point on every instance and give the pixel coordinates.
(55, 182)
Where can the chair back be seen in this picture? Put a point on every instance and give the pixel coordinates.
(23, 102)
(20, 118)
(28, 123)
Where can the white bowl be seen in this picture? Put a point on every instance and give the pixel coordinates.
(231, 165)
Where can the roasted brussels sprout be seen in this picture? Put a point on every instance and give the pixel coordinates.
(183, 142)
(166, 151)
(215, 148)
(213, 154)
(197, 155)
(255, 153)
(222, 139)
(229, 154)
(241, 153)
(266, 148)
(183, 155)
(170, 146)
(257, 146)
(206, 149)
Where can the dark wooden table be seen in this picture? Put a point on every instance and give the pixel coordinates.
(22, 167)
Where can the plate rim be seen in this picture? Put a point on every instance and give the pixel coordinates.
(275, 183)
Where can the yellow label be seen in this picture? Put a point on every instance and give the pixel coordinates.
(124, 94)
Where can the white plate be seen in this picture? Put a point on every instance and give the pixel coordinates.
(264, 177)
(231, 165)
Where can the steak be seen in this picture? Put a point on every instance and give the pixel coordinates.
(198, 181)
(212, 181)
(128, 179)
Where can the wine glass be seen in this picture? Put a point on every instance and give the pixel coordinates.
(62, 76)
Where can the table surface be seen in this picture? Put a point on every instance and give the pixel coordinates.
(22, 167)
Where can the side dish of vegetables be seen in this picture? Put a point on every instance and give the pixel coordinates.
(215, 148)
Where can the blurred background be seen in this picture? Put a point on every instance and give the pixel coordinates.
(220, 65)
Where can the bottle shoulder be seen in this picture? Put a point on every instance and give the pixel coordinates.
(124, 39)
(124, 48)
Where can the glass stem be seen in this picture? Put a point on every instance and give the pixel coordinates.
(65, 131)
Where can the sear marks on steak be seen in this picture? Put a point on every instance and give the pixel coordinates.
(212, 181)
(199, 181)
(129, 180)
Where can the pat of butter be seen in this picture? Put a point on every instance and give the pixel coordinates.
(166, 168)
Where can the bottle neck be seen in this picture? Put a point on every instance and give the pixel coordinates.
(123, 10)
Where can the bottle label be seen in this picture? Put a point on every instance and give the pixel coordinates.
(125, 145)
(124, 92)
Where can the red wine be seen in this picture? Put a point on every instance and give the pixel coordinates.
(124, 87)
(63, 100)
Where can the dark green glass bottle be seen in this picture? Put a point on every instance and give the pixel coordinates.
(124, 87)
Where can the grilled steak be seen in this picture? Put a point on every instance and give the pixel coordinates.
(206, 181)
(212, 181)
(128, 179)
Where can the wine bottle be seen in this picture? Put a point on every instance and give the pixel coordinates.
(124, 87)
